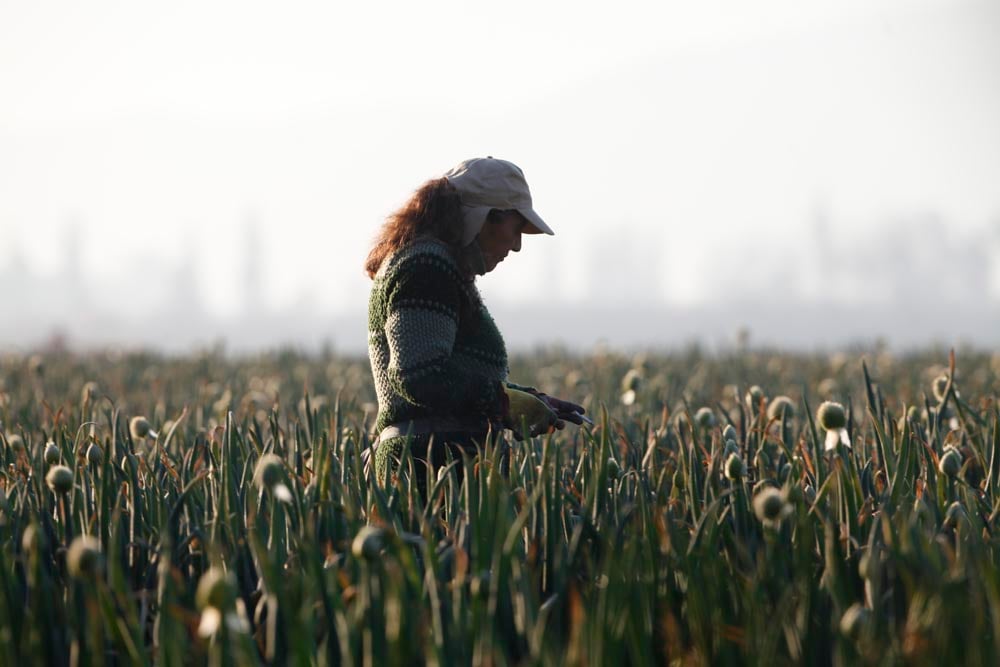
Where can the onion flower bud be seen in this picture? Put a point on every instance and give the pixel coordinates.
(84, 560)
(705, 418)
(60, 479)
(951, 463)
(781, 406)
(51, 454)
(368, 543)
(139, 428)
(270, 474)
(735, 468)
(770, 507)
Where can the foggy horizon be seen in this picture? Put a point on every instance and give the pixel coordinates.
(913, 283)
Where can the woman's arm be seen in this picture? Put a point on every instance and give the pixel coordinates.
(423, 304)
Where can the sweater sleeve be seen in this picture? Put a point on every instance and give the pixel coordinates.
(424, 302)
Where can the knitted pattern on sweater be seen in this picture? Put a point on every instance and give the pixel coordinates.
(435, 351)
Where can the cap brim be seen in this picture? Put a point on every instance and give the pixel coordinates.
(535, 222)
(474, 217)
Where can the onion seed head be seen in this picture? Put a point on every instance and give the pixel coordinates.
(88, 392)
(781, 406)
(268, 472)
(216, 589)
(705, 418)
(731, 448)
(950, 463)
(60, 479)
(16, 443)
(632, 380)
(939, 386)
(827, 387)
(368, 543)
(735, 467)
(139, 428)
(831, 416)
(769, 505)
(809, 493)
(51, 453)
(83, 560)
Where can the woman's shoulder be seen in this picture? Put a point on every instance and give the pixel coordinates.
(421, 252)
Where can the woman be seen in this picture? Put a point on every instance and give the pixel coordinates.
(439, 362)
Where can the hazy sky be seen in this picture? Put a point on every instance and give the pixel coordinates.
(696, 137)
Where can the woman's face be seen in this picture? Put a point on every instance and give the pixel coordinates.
(500, 235)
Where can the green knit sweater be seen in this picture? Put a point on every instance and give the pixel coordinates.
(435, 351)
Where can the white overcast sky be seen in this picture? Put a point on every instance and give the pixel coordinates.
(684, 126)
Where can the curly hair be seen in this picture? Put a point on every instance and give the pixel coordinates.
(433, 210)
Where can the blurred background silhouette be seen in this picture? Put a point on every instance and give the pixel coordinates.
(777, 174)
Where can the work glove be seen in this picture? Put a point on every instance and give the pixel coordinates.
(565, 410)
(527, 409)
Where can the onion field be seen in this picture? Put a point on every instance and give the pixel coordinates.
(739, 507)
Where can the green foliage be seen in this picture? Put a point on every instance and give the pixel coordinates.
(240, 526)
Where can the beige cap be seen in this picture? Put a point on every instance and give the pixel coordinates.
(486, 183)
